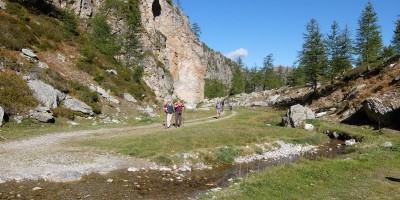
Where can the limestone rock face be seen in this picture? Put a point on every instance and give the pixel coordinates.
(169, 36)
(82, 8)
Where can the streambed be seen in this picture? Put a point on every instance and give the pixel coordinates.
(152, 184)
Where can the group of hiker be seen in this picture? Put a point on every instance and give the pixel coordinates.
(177, 109)
(220, 105)
(171, 109)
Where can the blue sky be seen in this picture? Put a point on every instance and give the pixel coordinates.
(261, 27)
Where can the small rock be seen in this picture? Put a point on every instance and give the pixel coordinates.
(112, 72)
(350, 142)
(321, 114)
(110, 180)
(1, 116)
(2, 5)
(185, 168)
(61, 58)
(309, 127)
(165, 169)
(37, 188)
(133, 169)
(29, 54)
(128, 97)
(73, 123)
(216, 189)
(387, 144)
(43, 65)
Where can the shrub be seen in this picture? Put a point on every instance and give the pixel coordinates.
(214, 88)
(63, 112)
(15, 95)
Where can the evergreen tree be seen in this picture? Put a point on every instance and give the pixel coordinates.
(196, 29)
(369, 39)
(396, 37)
(238, 82)
(271, 80)
(313, 55)
(339, 50)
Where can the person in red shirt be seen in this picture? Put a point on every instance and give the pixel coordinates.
(178, 113)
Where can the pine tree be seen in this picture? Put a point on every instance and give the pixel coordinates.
(271, 80)
(313, 56)
(396, 37)
(339, 50)
(369, 40)
(196, 29)
(238, 82)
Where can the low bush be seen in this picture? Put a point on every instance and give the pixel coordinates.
(15, 95)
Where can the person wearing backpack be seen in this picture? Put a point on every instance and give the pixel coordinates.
(218, 106)
(178, 113)
(169, 110)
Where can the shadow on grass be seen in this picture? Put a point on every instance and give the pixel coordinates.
(393, 179)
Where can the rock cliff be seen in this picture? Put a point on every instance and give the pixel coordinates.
(176, 63)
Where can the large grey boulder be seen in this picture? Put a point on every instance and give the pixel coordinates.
(377, 111)
(42, 114)
(297, 115)
(1, 116)
(46, 94)
(77, 105)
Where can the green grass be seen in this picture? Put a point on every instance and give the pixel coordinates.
(245, 129)
(361, 173)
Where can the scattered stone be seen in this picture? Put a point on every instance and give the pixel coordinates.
(387, 144)
(110, 180)
(43, 65)
(28, 53)
(309, 127)
(128, 97)
(321, 114)
(165, 169)
(185, 168)
(150, 112)
(61, 58)
(113, 100)
(37, 188)
(1, 116)
(350, 142)
(273, 99)
(259, 104)
(73, 123)
(77, 105)
(216, 189)
(112, 72)
(18, 119)
(133, 169)
(392, 65)
(297, 115)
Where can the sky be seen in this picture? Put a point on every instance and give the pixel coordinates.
(255, 28)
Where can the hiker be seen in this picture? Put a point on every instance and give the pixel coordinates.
(178, 113)
(231, 105)
(222, 105)
(169, 110)
(218, 106)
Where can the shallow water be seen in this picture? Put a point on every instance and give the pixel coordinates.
(121, 184)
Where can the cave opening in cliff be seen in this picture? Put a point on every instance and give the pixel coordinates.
(156, 8)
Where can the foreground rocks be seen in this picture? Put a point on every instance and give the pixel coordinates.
(45, 93)
(1, 115)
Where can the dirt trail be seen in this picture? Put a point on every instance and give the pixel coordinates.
(49, 157)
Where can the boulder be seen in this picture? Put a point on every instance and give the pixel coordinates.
(378, 112)
(128, 97)
(273, 99)
(77, 105)
(46, 94)
(42, 114)
(297, 115)
(1, 116)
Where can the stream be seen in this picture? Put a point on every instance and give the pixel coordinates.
(148, 184)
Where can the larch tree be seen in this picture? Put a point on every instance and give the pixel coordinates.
(313, 55)
(339, 50)
(368, 40)
(396, 37)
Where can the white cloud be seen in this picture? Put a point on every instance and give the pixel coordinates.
(237, 53)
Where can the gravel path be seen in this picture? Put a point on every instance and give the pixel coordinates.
(49, 157)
